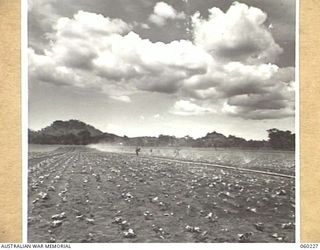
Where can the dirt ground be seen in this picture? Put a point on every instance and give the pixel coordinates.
(77, 194)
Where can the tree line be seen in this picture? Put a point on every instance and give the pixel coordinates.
(277, 139)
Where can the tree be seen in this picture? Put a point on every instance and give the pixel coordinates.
(279, 139)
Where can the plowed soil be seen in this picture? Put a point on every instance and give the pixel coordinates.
(161, 201)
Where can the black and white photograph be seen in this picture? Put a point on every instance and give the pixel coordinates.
(161, 121)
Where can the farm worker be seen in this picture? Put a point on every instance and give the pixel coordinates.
(137, 151)
(177, 152)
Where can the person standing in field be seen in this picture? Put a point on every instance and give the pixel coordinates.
(176, 152)
(138, 151)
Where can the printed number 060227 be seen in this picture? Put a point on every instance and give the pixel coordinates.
(309, 245)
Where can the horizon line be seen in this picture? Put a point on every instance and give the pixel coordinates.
(157, 136)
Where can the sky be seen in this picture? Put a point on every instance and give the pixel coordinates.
(175, 67)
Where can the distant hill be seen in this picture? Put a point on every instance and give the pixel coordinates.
(71, 132)
(74, 132)
(60, 128)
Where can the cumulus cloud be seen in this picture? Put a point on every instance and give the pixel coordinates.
(89, 44)
(277, 100)
(83, 23)
(239, 34)
(187, 108)
(44, 68)
(162, 12)
(229, 66)
(247, 90)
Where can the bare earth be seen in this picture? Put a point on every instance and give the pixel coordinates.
(98, 197)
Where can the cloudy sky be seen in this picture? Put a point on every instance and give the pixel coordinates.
(150, 67)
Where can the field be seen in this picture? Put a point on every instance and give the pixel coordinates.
(80, 194)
